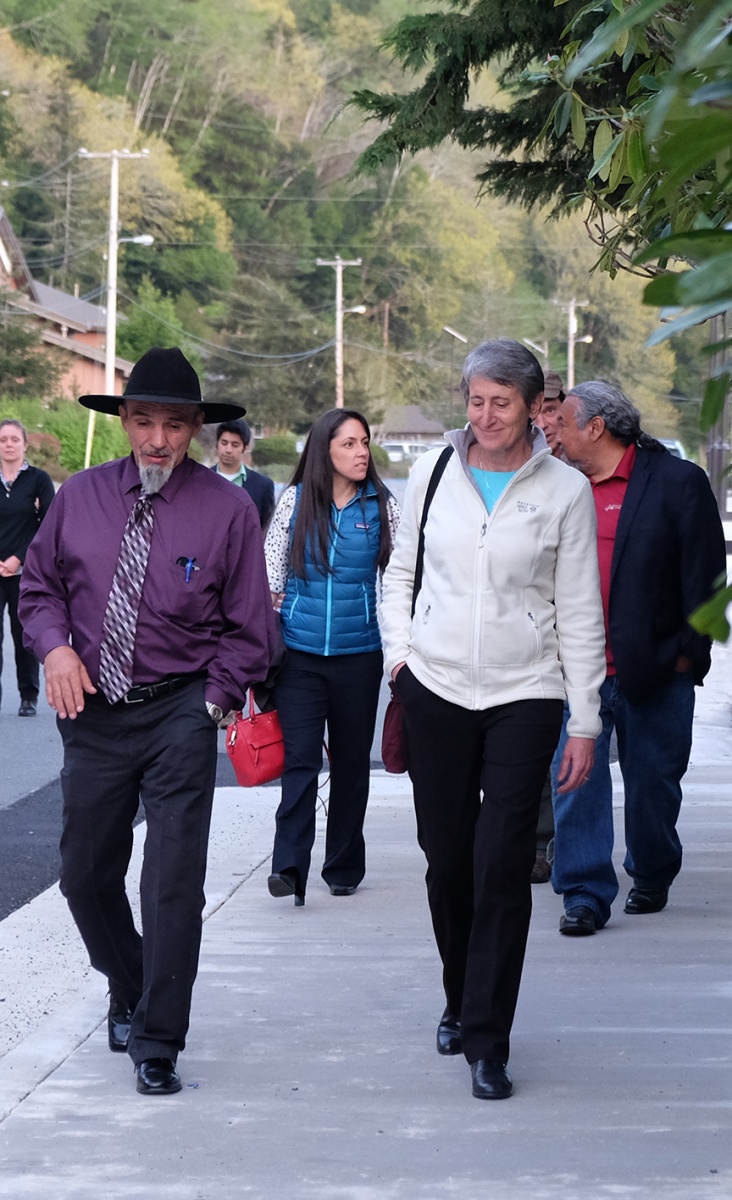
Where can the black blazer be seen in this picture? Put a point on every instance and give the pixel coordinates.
(261, 489)
(669, 552)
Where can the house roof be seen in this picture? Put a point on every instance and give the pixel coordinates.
(43, 301)
(409, 419)
(65, 309)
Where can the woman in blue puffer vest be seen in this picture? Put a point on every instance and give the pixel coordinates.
(329, 538)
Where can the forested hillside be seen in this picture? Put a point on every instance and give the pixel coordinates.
(243, 108)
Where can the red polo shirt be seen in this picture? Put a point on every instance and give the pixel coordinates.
(609, 495)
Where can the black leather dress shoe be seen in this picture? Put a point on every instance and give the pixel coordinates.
(646, 900)
(286, 883)
(491, 1080)
(157, 1077)
(27, 708)
(118, 1025)
(578, 921)
(449, 1040)
(541, 872)
(342, 889)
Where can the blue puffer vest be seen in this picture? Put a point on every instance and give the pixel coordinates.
(336, 613)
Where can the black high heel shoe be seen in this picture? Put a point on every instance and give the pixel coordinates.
(286, 883)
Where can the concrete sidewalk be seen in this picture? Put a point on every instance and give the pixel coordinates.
(311, 1069)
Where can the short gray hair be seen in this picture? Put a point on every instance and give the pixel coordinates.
(598, 398)
(507, 362)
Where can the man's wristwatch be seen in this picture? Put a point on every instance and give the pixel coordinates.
(215, 713)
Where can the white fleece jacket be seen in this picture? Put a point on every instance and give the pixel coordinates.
(510, 606)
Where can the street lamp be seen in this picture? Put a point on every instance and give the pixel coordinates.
(110, 352)
(542, 349)
(454, 333)
(459, 337)
(113, 241)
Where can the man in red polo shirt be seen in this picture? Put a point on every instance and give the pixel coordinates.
(661, 550)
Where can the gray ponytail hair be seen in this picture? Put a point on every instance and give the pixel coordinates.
(598, 398)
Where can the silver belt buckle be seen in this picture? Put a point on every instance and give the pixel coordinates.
(139, 700)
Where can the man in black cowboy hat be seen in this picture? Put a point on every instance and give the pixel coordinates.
(146, 598)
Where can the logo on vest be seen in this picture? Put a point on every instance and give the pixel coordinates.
(524, 507)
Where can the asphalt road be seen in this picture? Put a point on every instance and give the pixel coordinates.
(30, 791)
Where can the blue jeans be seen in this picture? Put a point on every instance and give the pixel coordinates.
(654, 744)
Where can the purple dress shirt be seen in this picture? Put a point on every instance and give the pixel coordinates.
(215, 617)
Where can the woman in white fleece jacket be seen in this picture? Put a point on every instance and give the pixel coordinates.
(507, 626)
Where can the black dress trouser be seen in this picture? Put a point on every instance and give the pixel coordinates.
(161, 753)
(341, 692)
(479, 852)
(27, 671)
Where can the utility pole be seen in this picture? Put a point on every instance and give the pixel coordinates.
(338, 265)
(111, 336)
(570, 307)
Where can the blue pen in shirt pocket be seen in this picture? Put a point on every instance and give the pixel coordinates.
(189, 566)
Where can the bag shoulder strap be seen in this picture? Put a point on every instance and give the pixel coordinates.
(435, 478)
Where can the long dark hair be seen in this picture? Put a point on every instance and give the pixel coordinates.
(314, 521)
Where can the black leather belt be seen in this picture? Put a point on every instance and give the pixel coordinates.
(149, 691)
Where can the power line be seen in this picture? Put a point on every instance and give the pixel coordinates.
(275, 359)
(37, 179)
(63, 257)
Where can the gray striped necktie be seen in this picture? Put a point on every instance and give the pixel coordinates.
(120, 619)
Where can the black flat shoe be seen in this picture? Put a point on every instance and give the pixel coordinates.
(118, 1025)
(491, 1080)
(286, 883)
(579, 921)
(157, 1077)
(449, 1039)
(645, 900)
(27, 708)
(342, 889)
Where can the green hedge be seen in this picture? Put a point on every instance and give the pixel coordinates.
(279, 448)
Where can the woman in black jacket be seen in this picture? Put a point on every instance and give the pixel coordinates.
(25, 494)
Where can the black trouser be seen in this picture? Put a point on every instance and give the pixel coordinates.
(26, 664)
(163, 753)
(343, 691)
(479, 854)
(545, 824)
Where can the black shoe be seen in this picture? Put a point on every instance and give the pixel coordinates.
(541, 872)
(27, 708)
(342, 889)
(646, 900)
(286, 883)
(157, 1077)
(491, 1080)
(118, 1024)
(578, 921)
(449, 1040)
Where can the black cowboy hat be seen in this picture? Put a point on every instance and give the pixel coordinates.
(164, 377)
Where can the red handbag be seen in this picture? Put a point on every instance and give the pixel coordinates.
(255, 745)
(393, 742)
